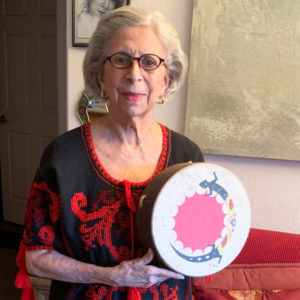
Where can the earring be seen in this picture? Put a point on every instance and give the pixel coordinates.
(104, 95)
(161, 100)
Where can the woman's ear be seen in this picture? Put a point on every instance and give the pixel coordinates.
(166, 81)
(101, 81)
(165, 85)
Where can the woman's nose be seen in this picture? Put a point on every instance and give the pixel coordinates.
(134, 71)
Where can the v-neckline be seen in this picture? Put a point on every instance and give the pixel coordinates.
(101, 170)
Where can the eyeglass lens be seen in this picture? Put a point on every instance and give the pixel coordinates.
(123, 61)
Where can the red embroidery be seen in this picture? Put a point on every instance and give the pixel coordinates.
(40, 199)
(98, 292)
(154, 291)
(95, 293)
(96, 227)
(169, 293)
(55, 200)
(47, 235)
(40, 193)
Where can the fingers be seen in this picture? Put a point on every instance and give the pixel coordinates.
(161, 273)
(146, 259)
(164, 274)
(158, 276)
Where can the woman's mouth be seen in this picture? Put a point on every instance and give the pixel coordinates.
(134, 97)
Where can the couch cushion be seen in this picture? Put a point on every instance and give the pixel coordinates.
(268, 267)
(256, 276)
(208, 294)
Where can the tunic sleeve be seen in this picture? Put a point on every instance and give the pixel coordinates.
(42, 215)
(184, 150)
(42, 220)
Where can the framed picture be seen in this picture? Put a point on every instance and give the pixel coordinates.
(86, 14)
(243, 91)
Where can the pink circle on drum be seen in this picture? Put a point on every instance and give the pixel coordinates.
(203, 213)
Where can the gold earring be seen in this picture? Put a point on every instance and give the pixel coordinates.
(104, 95)
(161, 100)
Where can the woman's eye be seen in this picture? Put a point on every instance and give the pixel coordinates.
(121, 60)
(149, 61)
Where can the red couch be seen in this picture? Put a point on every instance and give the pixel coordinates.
(268, 268)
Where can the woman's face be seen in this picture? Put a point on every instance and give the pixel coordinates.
(134, 91)
(101, 7)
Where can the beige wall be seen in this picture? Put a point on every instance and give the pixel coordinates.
(273, 185)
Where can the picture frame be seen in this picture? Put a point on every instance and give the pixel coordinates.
(86, 15)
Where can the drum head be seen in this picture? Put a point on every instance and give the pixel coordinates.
(200, 218)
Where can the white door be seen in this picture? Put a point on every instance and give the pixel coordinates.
(28, 95)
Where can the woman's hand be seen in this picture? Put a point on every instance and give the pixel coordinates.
(138, 273)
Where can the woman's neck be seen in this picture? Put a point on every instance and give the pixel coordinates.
(130, 131)
(127, 149)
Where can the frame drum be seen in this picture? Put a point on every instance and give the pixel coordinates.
(195, 217)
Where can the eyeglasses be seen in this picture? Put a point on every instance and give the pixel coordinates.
(148, 62)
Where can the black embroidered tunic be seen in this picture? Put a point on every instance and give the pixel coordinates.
(76, 208)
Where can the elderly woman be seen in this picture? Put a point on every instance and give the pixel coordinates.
(80, 218)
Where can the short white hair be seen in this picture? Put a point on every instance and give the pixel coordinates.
(127, 16)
